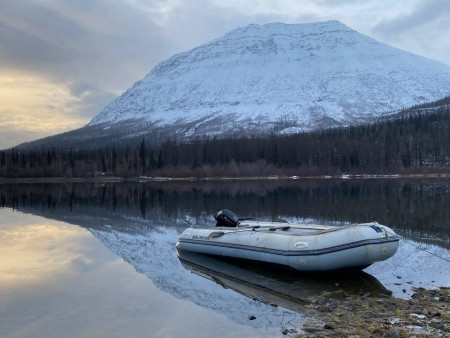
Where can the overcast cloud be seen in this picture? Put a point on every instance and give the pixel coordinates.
(90, 51)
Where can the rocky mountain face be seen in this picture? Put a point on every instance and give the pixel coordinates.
(270, 78)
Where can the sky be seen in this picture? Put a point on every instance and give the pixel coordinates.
(62, 61)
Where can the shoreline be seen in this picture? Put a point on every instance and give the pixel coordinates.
(335, 314)
(143, 179)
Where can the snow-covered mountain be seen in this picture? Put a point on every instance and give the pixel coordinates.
(278, 77)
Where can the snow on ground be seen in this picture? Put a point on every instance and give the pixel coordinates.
(415, 267)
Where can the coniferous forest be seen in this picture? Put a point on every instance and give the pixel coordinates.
(411, 142)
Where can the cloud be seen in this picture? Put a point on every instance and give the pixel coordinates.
(90, 98)
(34, 106)
(425, 13)
(102, 42)
(33, 35)
(81, 88)
(423, 30)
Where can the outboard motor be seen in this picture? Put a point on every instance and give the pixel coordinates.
(226, 218)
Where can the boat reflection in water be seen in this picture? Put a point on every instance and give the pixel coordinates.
(277, 285)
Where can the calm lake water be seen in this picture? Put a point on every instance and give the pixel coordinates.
(98, 260)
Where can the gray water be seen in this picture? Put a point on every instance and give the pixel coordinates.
(99, 259)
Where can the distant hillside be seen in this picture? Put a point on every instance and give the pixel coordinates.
(423, 108)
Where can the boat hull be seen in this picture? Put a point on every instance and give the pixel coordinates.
(347, 248)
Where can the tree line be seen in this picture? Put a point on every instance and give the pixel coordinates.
(410, 143)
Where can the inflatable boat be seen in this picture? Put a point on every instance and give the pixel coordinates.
(304, 247)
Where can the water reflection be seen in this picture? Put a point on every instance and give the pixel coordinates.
(34, 252)
(274, 285)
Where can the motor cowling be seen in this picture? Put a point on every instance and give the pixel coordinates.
(226, 218)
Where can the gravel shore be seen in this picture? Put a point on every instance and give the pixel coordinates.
(425, 314)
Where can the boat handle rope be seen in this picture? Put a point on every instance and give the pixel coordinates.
(253, 228)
